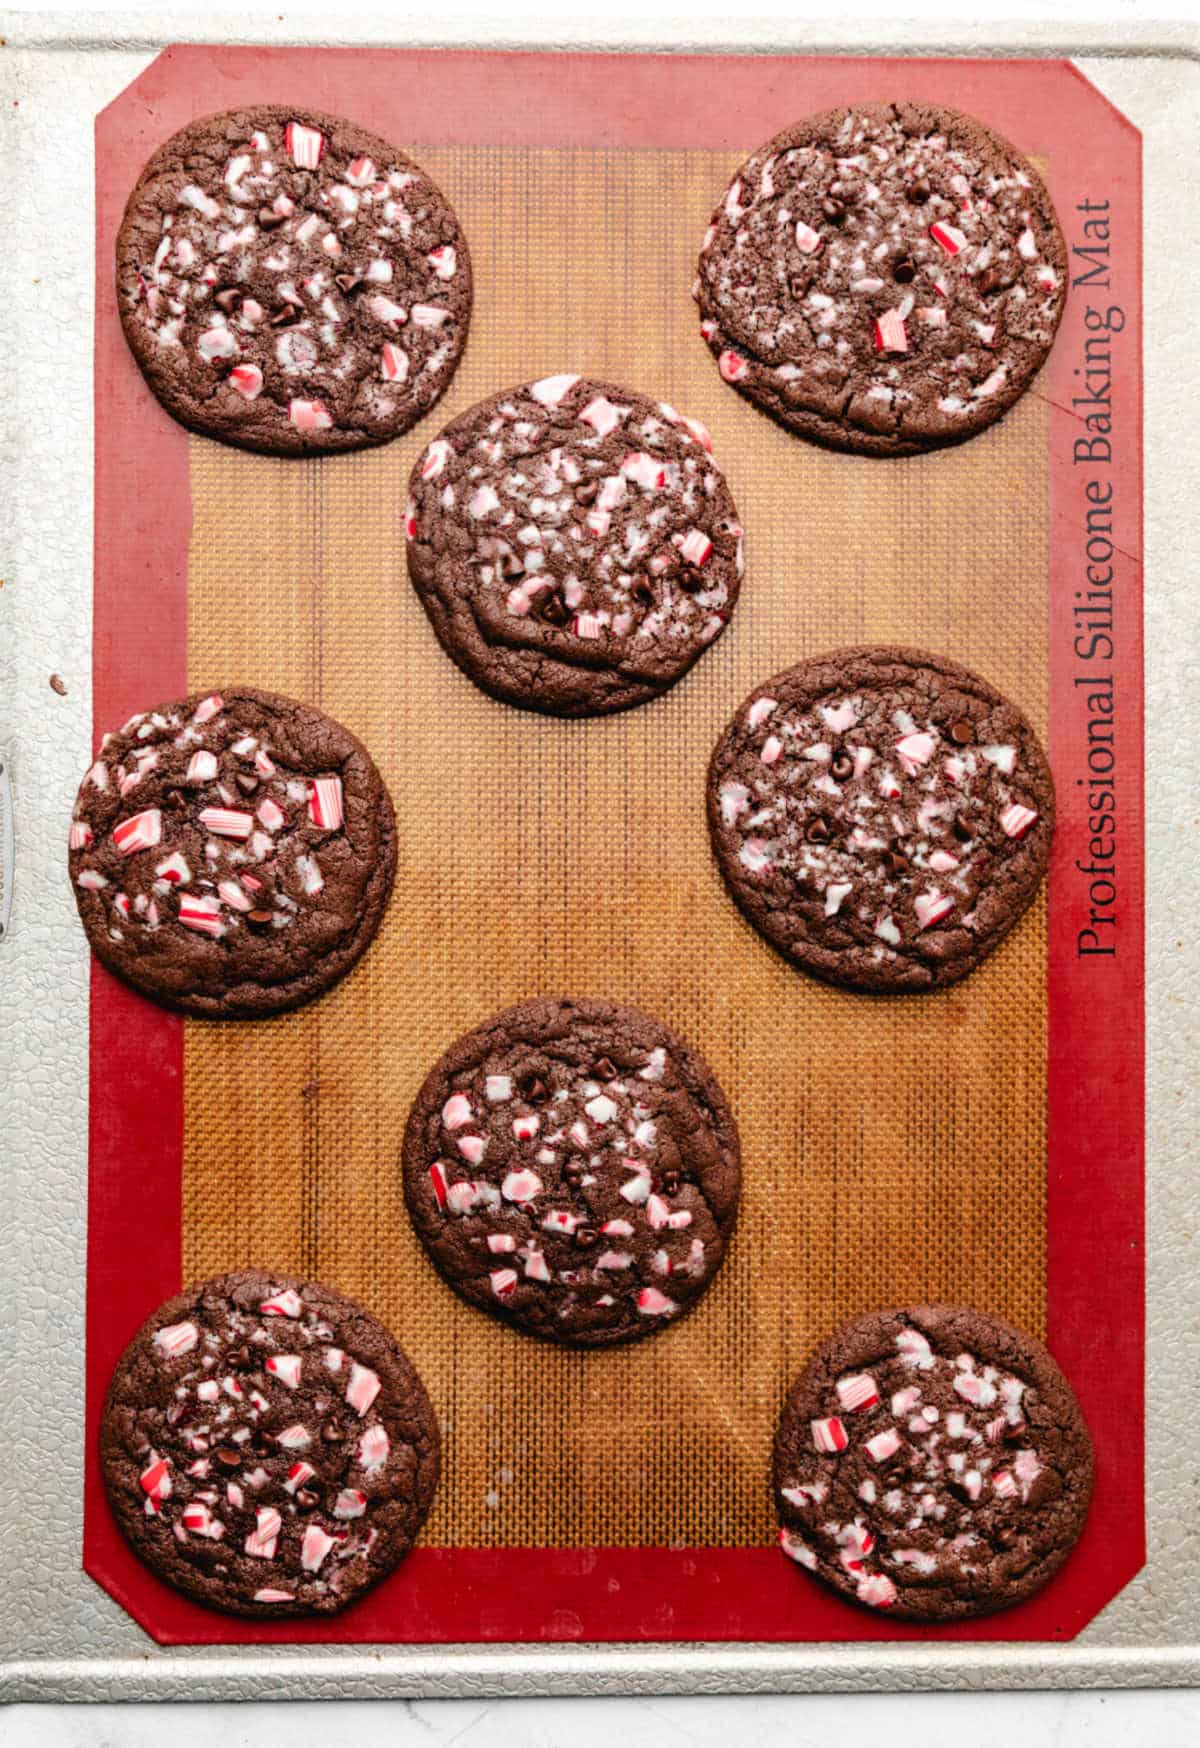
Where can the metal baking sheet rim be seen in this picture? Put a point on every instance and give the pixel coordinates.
(60, 1637)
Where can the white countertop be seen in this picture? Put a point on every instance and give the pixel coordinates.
(1169, 1719)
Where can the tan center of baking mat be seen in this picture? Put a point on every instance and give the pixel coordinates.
(893, 1150)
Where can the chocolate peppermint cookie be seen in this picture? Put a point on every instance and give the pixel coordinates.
(574, 544)
(883, 279)
(267, 1448)
(932, 1462)
(882, 816)
(232, 855)
(291, 283)
(573, 1168)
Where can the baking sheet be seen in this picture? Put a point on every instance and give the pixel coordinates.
(899, 1149)
(751, 1664)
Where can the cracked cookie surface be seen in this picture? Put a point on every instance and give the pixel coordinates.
(883, 816)
(289, 282)
(932, 1462)
(232, 854)
(573, 1168)
(574, 544)
(266, 1446)
(883, 279)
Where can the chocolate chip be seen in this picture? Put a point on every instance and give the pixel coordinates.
(242, 1360)
(260, 919)
(246, 782)
(554, 609)
(229, 299)
(895, 863)
(690, 580)
(269, 219)
(585, 1237)
(227, 1457)
(799, 285)
(307, 1499)
(510, 566)
(961, 733)
(671, 1181)
(348, 282)
(841, 767)
(573, 1174)
(332, 1433)
(586, 493)
(1013, 1434)
(1047, 1485)
(905, 271)
(287, 315)
(641, 591)
(816, 831)
(962, 832)
(995, 279)
(919, 193)
(605, 1070)
(833, 210)
(534, 1089)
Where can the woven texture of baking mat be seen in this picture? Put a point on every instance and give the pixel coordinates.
(893, 1150)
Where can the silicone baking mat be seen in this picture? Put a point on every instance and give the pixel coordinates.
(983, 1145)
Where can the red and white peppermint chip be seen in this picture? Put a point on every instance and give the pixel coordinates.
(263, 1539)
(857, 1392)
(286, 1367)
(362, 1388)
(177, 1338)
(201, 913)
(888, 332)
(1016, 820)
(829, 1435)
(373, 1449)
(652, 1303)
(227, 822)
(325, 803)
(885, 1444)
(141, 831)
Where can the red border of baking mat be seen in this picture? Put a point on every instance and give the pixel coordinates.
(1096, 1024)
